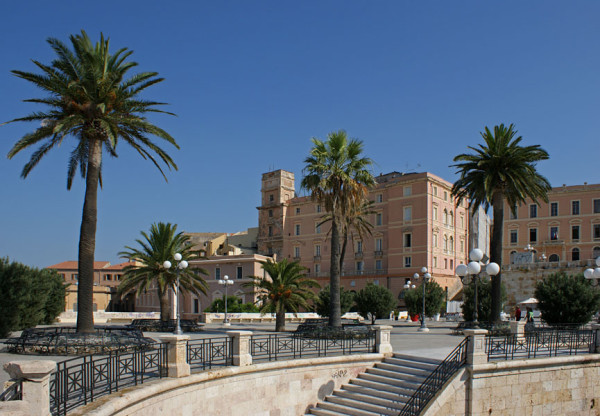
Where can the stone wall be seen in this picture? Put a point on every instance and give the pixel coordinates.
(286, 388)
(544, 386)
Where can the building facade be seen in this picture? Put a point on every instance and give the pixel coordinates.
(416, 223)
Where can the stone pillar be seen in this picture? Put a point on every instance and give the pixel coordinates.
(476, 348)
(36, 383)
(596, 346)
(383, 343)
(517, 328)
(177, 355)
(241, 347)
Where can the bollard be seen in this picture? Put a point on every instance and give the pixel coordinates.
(241, 347)
(383, 343)
(177, 355)
(476, 349)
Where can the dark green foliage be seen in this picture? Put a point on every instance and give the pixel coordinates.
(375, 301)
(484, 300)
(323, 306)
(434, 299)
(234, 305)
(30, 296)
(567, 299)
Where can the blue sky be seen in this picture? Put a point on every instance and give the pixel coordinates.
(252, 82)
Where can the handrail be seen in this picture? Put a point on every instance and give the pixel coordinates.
(432, 384)
(13, 392)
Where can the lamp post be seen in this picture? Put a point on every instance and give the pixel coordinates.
(473, 269)
(226, 282)
(181, 265)
(593, 273)
(426, 277)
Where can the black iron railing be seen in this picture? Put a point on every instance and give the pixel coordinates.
(13, 392)
(542, 343)
(434, 382)
(273, 347)
(81, 380)
(203, 354)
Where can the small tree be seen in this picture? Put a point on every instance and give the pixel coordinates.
(234, 305)
(375, 301)
(322, 304)
(567, 299)
(484, 300)
(434, 299)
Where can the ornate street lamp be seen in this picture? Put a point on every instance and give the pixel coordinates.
(426, 277)
(473, 269)
(181, 265)
(593, 273)
(226, 282)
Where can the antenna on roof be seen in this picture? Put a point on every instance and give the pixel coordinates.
(411, 170)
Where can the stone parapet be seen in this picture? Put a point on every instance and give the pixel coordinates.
(177, 355)
(36, 385)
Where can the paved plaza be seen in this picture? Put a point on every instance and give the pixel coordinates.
(405, 338)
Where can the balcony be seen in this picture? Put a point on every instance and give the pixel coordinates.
(555, 242)
(378, 253)
(317, 258)
(358, 255)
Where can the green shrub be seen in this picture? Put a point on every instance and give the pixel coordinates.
(434, 299)
(234, 305)
(567, 299)
(484, 300)
(322, 304)
(374, 301)
(30, 296)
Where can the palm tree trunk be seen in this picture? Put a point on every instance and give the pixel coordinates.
(280, 320)
(335, 314)
(165, 306)
(496, 254)
(87, 241)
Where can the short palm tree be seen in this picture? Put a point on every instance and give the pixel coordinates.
(338, 177)
(90, 100)
(148, 272)
(286, 289)
(500, 170)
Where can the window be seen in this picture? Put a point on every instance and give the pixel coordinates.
(297, 229)
(532, 235)
(445, 263)
(451, 224)
(554, 209)
(445, 217)
(297, 252)
(359, 266)
(462, 221)
(407, 213)
(575, 232)
(239, 272)
(513, 213)
(407, 191)
(271, 198)
(435, 213)
(196, 306)
(553, 233)
(270, 231)
(445, 196)
(379, 198)
(596, 252)
(462, 246)
(532, 211)
(378, 265)
(318, 250)
(595, 232)
(297, 211)
(318, 228)
(217, 273)
(270, 213)
(270, 251)
(378, 218)
(445, 243)
(435, 262)
(574, 207)
(359, 247)
(407, 261)
(451, 245)
(317, 269)
(554, 258)
(575, 254)
(318, 208)
(378, 244)
(408, 240)
(74, 276)
(435, 240)
(596, 206)
(514, 236)
(435, 190)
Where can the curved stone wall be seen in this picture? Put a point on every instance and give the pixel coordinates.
(274, 389)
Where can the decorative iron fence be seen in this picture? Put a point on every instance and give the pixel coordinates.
(81, 380)
(541, 343)
(13, 392)
(203, 354)
(273, 347)
(434, 382)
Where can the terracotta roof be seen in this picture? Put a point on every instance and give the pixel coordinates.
(120, 266)
(72, 265)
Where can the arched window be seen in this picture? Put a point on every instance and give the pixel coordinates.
(445, 243)
(451, 245)
(554, 257)
(575, 254)
(596, 252)
(512, 256)
(451, 219)
(445, 217)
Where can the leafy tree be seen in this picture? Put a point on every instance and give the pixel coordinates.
(234, 305)
(434, 299)
(90, 100)
(567, 299)
(148, 271)
(324, 298)
(337, 176)
(500, 171)
(285, 290)
(484, 300)
(30, 296)
(375, 301)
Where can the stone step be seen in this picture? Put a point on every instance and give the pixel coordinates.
(409, 384)
(370, 398)
(345, 410)
(399, 390)
(377, 392)
(407, 368)
(416, 360)
(322, 412)
(400, 374)
(361, 406)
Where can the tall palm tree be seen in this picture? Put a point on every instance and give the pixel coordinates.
(500, 170)
(338, 177)
(90, 100)
(148, 271)
(287, 289)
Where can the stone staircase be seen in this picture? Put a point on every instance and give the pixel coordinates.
(381, 390)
